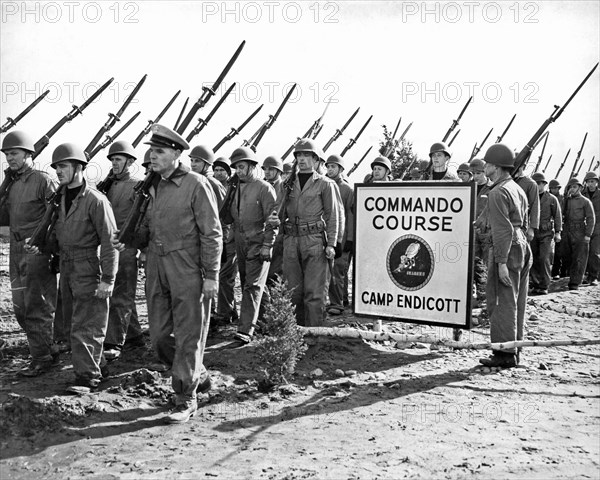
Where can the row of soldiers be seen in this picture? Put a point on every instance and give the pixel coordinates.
(201, 228)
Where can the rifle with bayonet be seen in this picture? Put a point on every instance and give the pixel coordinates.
(477, 149)
(147, 128)
(355, 139)
(43, 142)
(272, 118)
(399, 140)
(456, 122)
(454, 138)
(316, 134)
(539, 162)
(138, 209)
(317, 126)
(357, 164)
(207, 92)
(235, 131)
(563, 163)
(578, 157)
(500, 137)
(202, 122)
(547, 163)
(339, 131)
(590, 167)
(524, 154)
(114, 118)
(181, 113)
(11, 122)
(388, 148)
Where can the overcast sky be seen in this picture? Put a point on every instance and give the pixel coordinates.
(417, 60)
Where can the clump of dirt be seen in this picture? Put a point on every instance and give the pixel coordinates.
(144, 383)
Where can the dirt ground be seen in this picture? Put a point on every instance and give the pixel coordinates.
(354, 409)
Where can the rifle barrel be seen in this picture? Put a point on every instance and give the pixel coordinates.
(11, 122)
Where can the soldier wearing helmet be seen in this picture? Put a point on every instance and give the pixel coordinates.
(554, 188)
(85, 222)
(338, 289)
(510, 258)
(311, 226)
(381, 168)
(287, 170)
(464, 172)
(182, 231)
(123, 323)
(543, 243)
(591, 192)
(559, 264)
(201, 161)
(33, 284)
(222, 170)
(440, 168)
(533, 200)
(482, 241)
(252, 203)
(579, 224)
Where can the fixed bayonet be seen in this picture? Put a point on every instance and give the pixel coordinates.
(11, 122)
(499, 139)
(316, 134)
(235, 131)
(339, 131)
(147, 128)
(355, 139)
(272, 118)
(357, 164)
(547, 163)
(578, 156)
(590, 167)
(111, 138)
(477, 149)
(455, 122)
(114, 118)
(202, 122)
(207, 92)
(454, 138)
(181, 113)
(563, 163)
(539, 162)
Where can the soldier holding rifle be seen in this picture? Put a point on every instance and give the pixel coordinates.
(591, 192)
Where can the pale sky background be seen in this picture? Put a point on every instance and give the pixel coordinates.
(417, 60)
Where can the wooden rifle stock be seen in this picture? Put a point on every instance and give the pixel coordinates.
(43, 231)
(225, 212)
(138, 209)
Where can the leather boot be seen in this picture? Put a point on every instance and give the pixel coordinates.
(500, 359)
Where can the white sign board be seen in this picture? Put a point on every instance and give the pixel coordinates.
(413, 251)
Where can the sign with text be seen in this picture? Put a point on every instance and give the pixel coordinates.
(413, 258)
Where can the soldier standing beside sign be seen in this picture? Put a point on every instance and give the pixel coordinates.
(591, 192)
(32, 282)
(440, 155)
(510, 257)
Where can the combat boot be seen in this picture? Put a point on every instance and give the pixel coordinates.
(500, 359)
(182, 413)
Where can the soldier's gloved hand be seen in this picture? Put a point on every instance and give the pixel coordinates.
(503, 275)
(265, 254)
(114, 240)
(338, 250)
(557, 237)
(330, 253)
(587, 239)
(104, 290)
(530, 234)
(348, 246)
(273, 219)
(210, 289)
(30, 248)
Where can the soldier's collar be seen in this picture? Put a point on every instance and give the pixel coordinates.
(177, 176)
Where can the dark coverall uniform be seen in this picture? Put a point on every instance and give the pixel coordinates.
(507, 216)
(593, 265)
(89, 224)
(32, 282)
(533, 200)
(185, 242)
(252, 204)
(122, 315)
(579, 223)
(229, 269)
(542, 245)
(558, 264)
(311, 214)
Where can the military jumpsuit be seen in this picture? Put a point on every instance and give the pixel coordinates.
(33, 284)
(542, 245)
(579, 221)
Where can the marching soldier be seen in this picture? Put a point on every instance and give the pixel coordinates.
(184, 238)
(85, 222)
(201, 161)
(335, 168)
(579, 221)
(311, 229)
(542, 245)
(464, 172)
(33, 283)
(510, 257)
(123, 323)
(440, 155)
(591, 192)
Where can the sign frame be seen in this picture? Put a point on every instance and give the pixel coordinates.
(467, 321)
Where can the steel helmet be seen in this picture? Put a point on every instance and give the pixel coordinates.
(477, 165)
(121, 148)
(335, 160)
(146, 158)
(224, 163)
(464, 167)
(243, 153)
(554, 184)
(68, 151)
(539, 177)
(306, 145)
(383, 161)
(500, 155)
(273, 162)
(591, 176)
(439, 147)
(321, 155)
(415, 173)
(288, 167)
(17, 139)
(203, 152)
(574, 181)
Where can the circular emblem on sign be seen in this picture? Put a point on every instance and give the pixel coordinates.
(410, 262)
